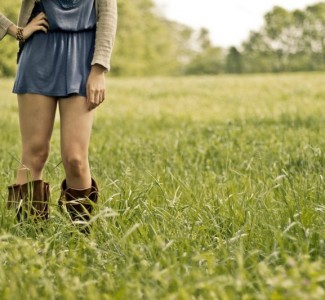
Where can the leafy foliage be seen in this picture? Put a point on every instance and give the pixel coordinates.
(289, 41)
(8, 46)
(149, 44)
(146, 43)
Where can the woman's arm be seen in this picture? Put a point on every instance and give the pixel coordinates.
(105, 37)
(105, 32)
(5, 24)
(38, 23)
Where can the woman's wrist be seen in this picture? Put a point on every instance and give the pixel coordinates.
(20, 34)
(12, 30)
(98, 69)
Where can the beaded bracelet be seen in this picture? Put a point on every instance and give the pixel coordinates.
(20, 34)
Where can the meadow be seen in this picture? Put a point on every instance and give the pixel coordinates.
(210, 188)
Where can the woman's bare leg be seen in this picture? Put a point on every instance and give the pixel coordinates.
(36, 118)
(76, 123)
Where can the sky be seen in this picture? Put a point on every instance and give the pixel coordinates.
(228, 21)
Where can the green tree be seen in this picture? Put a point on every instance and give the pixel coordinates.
(211, 61)
(9, 46)
(314, 37)
(204, 39)
(257, 54)
(147, 44)
(207, 59)
(288, 41)
(233, 61)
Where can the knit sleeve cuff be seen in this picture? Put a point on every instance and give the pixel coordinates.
(4, 25)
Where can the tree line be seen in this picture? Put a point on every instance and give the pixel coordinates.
(148, 44)
(289, 41)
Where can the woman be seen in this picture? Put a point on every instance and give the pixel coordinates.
(67, 45)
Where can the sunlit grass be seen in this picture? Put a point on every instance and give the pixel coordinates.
(211, 188)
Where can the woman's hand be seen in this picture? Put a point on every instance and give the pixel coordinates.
(39, 23)
(36, 24)
(96, 86)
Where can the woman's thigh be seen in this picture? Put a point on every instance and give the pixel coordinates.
(36, 119)
(76, 123)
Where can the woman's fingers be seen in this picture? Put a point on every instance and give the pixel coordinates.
(39, 23)
(95, 87)
(44, 22)
(41, 15)
(90, 98)
(41, 28)
(94, 97)
(39, 18)
(97, 97)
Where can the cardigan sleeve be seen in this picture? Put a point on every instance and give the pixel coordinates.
(4, 25)
(105, 32)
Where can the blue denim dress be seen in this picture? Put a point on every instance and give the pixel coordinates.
(58, 63)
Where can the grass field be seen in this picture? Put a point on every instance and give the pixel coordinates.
(211, 188)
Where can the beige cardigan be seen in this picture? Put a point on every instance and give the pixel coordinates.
(105, 32)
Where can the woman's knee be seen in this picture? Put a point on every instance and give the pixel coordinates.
(75, 165)
(35, 155)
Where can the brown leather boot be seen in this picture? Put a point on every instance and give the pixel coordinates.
(30, 200)
(78, 203)
(14, 196)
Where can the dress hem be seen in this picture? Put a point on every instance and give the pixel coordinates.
(38, 92)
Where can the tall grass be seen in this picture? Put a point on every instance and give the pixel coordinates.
(211, 188)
